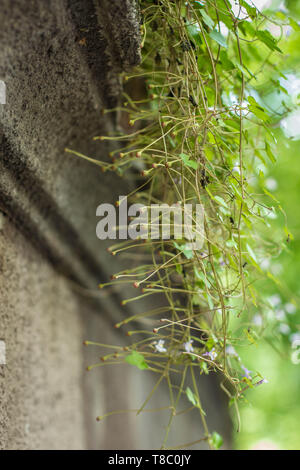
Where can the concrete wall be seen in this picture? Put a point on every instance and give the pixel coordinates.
(60, 60)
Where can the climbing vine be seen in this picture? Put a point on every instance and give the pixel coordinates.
(201, 134)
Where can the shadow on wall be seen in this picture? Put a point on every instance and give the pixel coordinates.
(60, 62)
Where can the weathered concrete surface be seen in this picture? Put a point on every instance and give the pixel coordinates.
(60, 61)
(42, 327)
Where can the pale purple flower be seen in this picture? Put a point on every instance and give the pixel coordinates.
(247, 373)
(262, 381)
(290, 308)
(212, 354)
(231, 351)
(280, 315)
(271, 184)
(275, 300)
(223, 29)
(284, 329)
(265, 264)
(159, 346)
(257, 320)
(295, 337)
(188, 346)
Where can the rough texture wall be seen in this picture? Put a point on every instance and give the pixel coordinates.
(42, 327)
(60, 61)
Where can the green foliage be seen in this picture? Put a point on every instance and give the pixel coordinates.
(218, 37)
(137, 359)
(203, 134)
(217, 440)
(191, 396)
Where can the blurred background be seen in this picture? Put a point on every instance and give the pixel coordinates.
(270, 416)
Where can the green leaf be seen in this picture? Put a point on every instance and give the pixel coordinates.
(251, 253)
(270, 153)
(207, 19)
(193, 34)
(246, 28)
(216, 440)
(259, 113)
(218, 37)
(270, 195)
(191, 397)
(227, 64)
(252, 12)
(196, 300)
(209, 300)
(280, 15)
(231, 244)
(188, 253)
(267, 38)
(226, 19)
(294, 24)
(273, 278)
(233, 122)
(178, 268)
(250, 337)
(186, 160)
(279, 86)
(256, 109)
(244, 70)
(171, 141)
(210, 343)
(137, 359)
(259, 155)
(220, 201)
(205, 279)
(192, 164)
(204, 368)
(252, 101)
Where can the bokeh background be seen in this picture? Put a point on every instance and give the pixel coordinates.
(270, 414)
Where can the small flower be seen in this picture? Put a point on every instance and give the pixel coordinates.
(212, 354)
(265, 264)
(271, 184)
(271, 215)
(159, 346)
(280, 315)
(257, 320)
(290, 308)
(274, 300)
(188, 346)
(223, 29)
(284, 329)
(276, 269)
(230, 351)
(295, 337)
(262, 381)
(247, 373)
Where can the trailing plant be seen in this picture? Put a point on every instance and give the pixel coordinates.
(202, 135)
